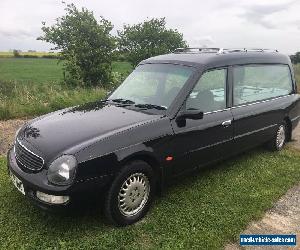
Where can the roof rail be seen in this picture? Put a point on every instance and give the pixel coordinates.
(196, 50)
(248, 50)
(220, 50)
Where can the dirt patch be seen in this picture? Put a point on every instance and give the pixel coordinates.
(283, 218)
(7, 133)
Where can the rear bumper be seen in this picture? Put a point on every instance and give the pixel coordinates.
(77, 191)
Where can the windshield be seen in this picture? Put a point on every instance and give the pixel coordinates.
(152, 85)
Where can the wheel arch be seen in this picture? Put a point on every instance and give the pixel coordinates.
(152, 161)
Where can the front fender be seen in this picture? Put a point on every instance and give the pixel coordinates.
(107, 156)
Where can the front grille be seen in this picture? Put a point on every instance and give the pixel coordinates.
(27, 158)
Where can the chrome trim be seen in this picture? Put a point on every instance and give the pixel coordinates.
(33, 169)
(226, 123)
(263, 101)
(249, 104)
(209, 146)
(216, 111)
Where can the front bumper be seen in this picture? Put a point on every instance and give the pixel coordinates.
(77, 191)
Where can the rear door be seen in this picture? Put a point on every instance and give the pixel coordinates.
(259, 94)
(198, 142)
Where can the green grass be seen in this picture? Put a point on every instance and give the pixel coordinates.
(37, 70)
(27, 100)
(41, 70)
(203, 211)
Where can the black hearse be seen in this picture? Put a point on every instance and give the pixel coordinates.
(173, 113)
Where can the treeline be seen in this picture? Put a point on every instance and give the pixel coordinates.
(295, 58)
(17, 54)
(87, 46)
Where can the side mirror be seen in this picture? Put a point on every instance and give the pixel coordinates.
(189, 114)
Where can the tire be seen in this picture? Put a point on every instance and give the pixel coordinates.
(130, 195)
(278, 141)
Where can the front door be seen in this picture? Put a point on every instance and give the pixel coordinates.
(198, 142)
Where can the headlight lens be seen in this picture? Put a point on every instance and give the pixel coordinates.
(62, 170)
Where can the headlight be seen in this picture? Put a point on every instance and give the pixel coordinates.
(62, 170)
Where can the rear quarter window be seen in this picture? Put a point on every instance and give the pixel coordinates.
(260, 82)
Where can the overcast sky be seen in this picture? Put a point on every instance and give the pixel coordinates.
(271, 24)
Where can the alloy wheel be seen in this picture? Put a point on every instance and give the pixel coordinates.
(280, 138)
(133, 194)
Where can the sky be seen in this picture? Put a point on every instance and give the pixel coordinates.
(273, 24)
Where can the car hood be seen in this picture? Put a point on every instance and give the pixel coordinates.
(74, 128)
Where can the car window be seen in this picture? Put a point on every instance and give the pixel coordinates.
(259, 82)
(209, 94)
(156, 84)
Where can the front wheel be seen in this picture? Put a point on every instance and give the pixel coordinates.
(129, 197)
(279, 140)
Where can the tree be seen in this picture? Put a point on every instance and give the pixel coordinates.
(295, 58)
(86, 45)
(150, 38)
(16, 53)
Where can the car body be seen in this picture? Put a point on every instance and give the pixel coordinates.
(248, 97)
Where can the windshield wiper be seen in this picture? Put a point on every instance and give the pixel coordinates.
(150, 106)
(121, 100)
(142, 106)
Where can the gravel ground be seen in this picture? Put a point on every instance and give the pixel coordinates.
(7, 133)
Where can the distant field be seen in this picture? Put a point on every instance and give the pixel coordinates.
(37, 70)
(40, 70)
(6, 54)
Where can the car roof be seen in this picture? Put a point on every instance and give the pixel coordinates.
(215, 59)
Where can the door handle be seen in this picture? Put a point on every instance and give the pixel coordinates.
(226, 123)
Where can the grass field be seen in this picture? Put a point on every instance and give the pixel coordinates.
(23, 70)
(41, 70)
(28, 100)
(203, 211)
